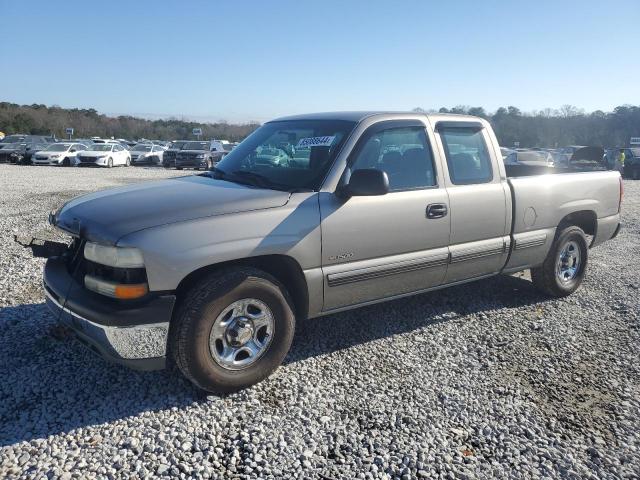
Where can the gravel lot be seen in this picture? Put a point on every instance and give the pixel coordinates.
(485, 380)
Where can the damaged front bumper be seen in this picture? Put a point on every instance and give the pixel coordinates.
(131, 333)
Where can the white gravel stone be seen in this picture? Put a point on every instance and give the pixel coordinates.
(487, 380)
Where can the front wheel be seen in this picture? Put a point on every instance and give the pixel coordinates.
(127, 163)
(232, 330)
(564, 268)
(110, 163)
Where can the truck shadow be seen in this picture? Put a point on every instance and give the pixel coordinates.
(343, 330)
(50, 384)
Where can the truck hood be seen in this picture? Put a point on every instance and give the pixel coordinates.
(107, 216)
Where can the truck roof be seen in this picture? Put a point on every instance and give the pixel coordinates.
(358, 116)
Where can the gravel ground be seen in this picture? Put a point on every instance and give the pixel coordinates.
(488, 380)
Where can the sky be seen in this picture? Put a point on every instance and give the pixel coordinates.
(255, 60)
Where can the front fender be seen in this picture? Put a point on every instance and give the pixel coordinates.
(173, 251)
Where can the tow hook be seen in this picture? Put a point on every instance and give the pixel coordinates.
(42, 248)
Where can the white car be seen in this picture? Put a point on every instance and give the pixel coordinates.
(104, 155)
(147, 154)
(63, 153)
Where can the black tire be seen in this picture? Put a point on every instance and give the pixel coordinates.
(178, 168)
(110, 163)
(635, 174)
(195, 317)
(127, 163)
(66, 162)
(547, 279)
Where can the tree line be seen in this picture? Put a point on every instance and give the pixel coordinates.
(557, 128)
(545, 128)
(42, 120)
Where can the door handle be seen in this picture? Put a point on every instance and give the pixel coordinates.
(436, 210)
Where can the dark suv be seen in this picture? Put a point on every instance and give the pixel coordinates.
(169, 157)
(196, 155)
(20, 148)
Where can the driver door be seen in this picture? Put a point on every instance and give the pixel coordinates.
(382, 246)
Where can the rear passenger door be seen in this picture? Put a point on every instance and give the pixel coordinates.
(382, 246)
(477, 199)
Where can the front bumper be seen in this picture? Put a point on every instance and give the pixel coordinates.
(131, 333)
(191, 163)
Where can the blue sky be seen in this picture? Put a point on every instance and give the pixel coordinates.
(254, 60)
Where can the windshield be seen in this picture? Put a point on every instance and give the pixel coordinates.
(102, 147)
(57, 147)
(140, 147)
(196, 146)
(294, 154)
(176, 145)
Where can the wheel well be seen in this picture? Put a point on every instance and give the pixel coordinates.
(585, 219)
(285, 269)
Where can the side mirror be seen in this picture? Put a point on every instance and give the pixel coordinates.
(366, 182)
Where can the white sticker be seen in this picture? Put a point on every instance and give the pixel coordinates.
(315, 142)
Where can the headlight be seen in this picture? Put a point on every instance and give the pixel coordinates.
(118, 257)
(200, 156)
(54, 156)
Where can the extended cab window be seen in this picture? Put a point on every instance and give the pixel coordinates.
(467, 155)
(403, 153)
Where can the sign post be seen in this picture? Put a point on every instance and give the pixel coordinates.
(69, 132)
(197, 132)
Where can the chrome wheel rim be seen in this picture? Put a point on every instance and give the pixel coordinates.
(241, 334)
(568, 263)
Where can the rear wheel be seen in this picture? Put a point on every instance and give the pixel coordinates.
(127, 163)
(232, 330)
(564, 268)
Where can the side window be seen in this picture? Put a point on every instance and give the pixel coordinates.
(117, 148)
(467, 155)
(403, 153)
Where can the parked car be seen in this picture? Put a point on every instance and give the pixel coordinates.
(632, 163)
(19, 148)
(529, 157)
(169, 156)
(104, 155)
(217, 276)
(147, 154)
(198, 155)
(61, 154)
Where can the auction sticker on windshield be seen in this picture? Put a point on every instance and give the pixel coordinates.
(316, 142)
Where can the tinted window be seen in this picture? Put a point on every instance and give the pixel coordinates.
(467, 155)
(403, 153)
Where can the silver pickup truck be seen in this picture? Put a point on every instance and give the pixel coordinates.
(311, 215)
